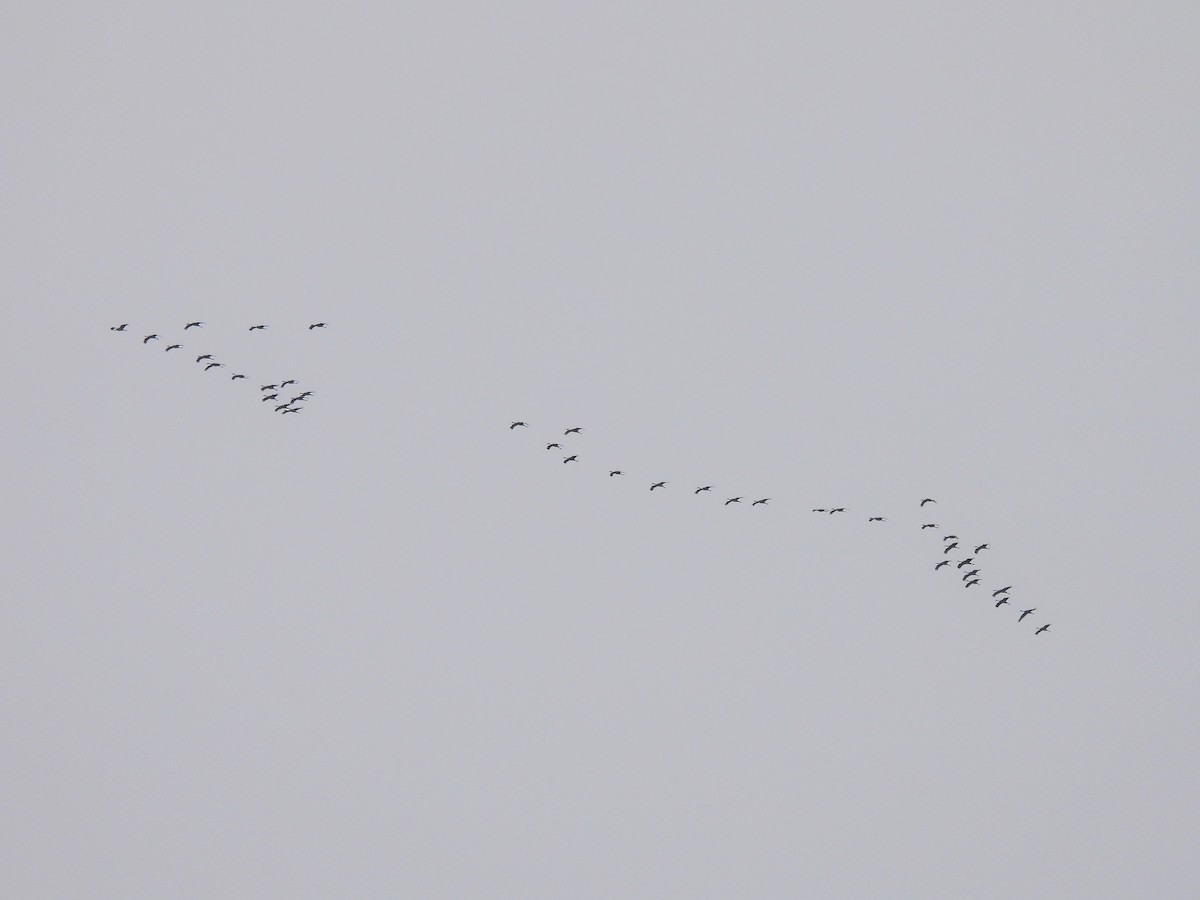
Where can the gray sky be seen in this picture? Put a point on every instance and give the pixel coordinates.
(849, 254)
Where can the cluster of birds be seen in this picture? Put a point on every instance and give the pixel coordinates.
(950, 542)
(269, 392)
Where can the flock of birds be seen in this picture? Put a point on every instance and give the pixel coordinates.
(269, 393)
(950, 542)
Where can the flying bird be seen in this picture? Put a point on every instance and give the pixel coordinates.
(1001, 602)
(1024, 613)
(192, 325)
(316, 325)
(928, 500)
(296, 399)
(876, 519)
(763, 501)
(950, 547)
(969, 574)
(983, 547)
(971, 582)
(171, 347)
(281, 407)
(270, 397)
(820, 510)
(707, 487)
(949, 537)
(118, 327)
(839, 509)
(257, 327)
(1043, 628)
(568, 459)
(576, 430)
(214, 366)
(150, 337)
(733, 500)
(291, 409)
(510, 427)
(203, 357)
(930, 525)
(658, 484)
(965, 562)
(306, 395)
(944, 562)
(1003, 590)
(618, 472)
(268, 387)
(552, 446)
(236, 376)
(284, 384)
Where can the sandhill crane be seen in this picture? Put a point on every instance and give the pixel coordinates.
(971, 582)
(214, 366)
(575, 430)
(510, 427)
(257, 327)
(733, 500)
(171, 347)
(567, 459)
(305, 395)
(1026, 612)
(1001, 602)
(552, 446)
(970, 574)
(762, 502)
(316, 325)
(949, 537)
(820, 510)
(281, 407)
(928, 500)
(876, 519)
(615, 472)
(270, 397)
(658, 484)
(965, 562)
(235, 376)
(284, 384)
(1043, 628)
(193, 325)
(930, 525)
(121, 327)
(707, 487)
(269, 387)
(839, 509)
(202, 357)
(983, 547)
(291, 409)
(1003, 590)
(944, 562)
(150, 337)
(296, 399)
(950, 547)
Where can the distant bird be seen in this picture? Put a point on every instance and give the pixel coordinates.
(510, 427)
(1001, 602)
(763, 501)
(316, 325)
(876, 519)
(971, 573)
(971, 582)
(203, 357)
(235, 376)
(707, 487)
(965, 562)
(171, 347)
(733, 500)
(118, 327)
(270, 397)
(192, 325)
(1043, 628)
(257, 327)
(568, 459)
(552, 446)
(944, 562)
(291, 409)
(820, 510)
(617, 472)
(284, 384)
(576, 430)
(658, 484)
(839, 509)
(214, 366)
(268, 387)
(928, 500)
(150, 337)
(930, 525)
(1003, 590)
(281, 407)
(296, 399)
(1025, 612)
(983, 547)
(950, 547)
(305, 395)
(949, 537)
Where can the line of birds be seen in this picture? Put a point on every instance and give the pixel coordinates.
(290, 406)
(949, 541)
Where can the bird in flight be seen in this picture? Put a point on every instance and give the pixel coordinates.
(965, 562)
(876, 519)
(820, 510)
(618, 472)
(568, 459)
(118, 327)
(193, 325)
(552, 446)
(257, 327)
(284, 384)
(270, 397)
(1025, 612)
(510, 427)
(281, 407)
(150, 337)
(214, 365)
(1001, 602)
(707, 487)
(236, 376)
(733, 500)
(305, 395)
(928, 500)
(763, 501)
(171, 347)
(296, 399)
(949, 537)
(1043, 628)
(970, 574)
(983, 547)
(658, 484)
(316, 325)
(291, 409)
(950, 547)
(971, 582)
(839, 509)
(575, 430)
(930, 525)
(203, 357)
(944, 562)
(1003, 590)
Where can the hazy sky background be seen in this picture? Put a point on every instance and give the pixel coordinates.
(843, 254)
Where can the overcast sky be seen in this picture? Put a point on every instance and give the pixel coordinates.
(834, 254)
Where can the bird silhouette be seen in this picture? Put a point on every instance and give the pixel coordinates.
(707, 487)
(733, 500)
(575, 430)
(281, 407)
(969, 574)
(876, 519)
(617, 472)
(570, 459)
(763, 501)
(949, 537)
(291, 409)
(928, 500)
(552, 446)
(296, 399)
(944, 562)
(1003, 590)
(930, 525)
(257, 327)
(510, 427)
(171, 347)
(214, 366)
(121, 327)
(1001, 602)
(950, 547)
(316, 325)
(971, 582)
(983, 547)
(203, 357)
(839, 509)
(965, 562)
(270, 397)
(658, 484)
(1043, 628)
(235, 376)
(820, 510)
(305, 395)
(150, 337)
(268, 387)
(284, 384)
(192, 325)
(1025, 612)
